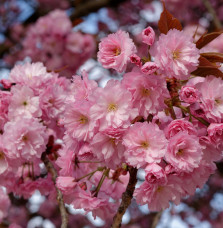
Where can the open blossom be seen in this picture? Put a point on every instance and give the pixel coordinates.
(115, 50)
(24, 103)
(155, 174)
(24, 139)
(82, 87)
(211, 151)
(112, 106)
(176, 54)
(30, 74)
(5, 99)
(108, 149)
(145, 143)
(189, 94)
(148, 93)
(158, 194)
(184, 152)
(98, 206)
(211, 98)
(78, 122)
(180, 125)
(215, 134)
(148, 36)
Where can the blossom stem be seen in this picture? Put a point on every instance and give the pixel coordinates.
(126, 198)
(91, 173)
(203, 121)
(88, 161)
(104, 175)
(50, 168)
(156, 219)
(211, 10)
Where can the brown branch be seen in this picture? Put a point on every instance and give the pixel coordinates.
(156, 219)
(126, 198)
(90, 6)
(211, 10)
(51, 169)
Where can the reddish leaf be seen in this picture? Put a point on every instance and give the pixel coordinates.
(168, 21)
(206, 68)
(204, 62)
(213, 57)
(206, 39)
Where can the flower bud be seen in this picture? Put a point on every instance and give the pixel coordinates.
(148, 36)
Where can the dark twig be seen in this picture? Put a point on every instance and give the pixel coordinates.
(126, 198)
(156, 219)
(90, 6)
(51, 169)
(211, 10)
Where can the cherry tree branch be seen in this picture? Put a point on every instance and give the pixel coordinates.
(126, 198)
(211, 10)
(156, 219)
(90, 6)
(52, 170)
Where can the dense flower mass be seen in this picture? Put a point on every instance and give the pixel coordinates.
(52, 41)
(159, 117)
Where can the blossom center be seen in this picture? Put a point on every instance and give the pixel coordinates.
(145, 92)
(180, 152)
(112, 107)
(176, 54)
(218, 101)
(144, 144)
(112, 140)
(24, 138)
(159, 189)
(117, 51)
(2, 156)
(25, 103)
(83, 119)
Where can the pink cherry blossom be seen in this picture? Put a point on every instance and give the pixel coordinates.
(155, 174)
(149, 68)
(180, 125)
(108, 149)
(157, 195)
(148, 93)
(24, 103)
(176, 54)
(78, 121)
(184, 152)
(115, 51)
(5, 99)
(215, 134)
(30, 74)
(145, 143)
(136, 60)
(112, 109)
(189, 94)
(211, 98)
(98, 206)
(148, 36)
(24, 139)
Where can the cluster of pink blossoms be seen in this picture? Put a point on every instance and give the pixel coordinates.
(52, 41)
(92, 135)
